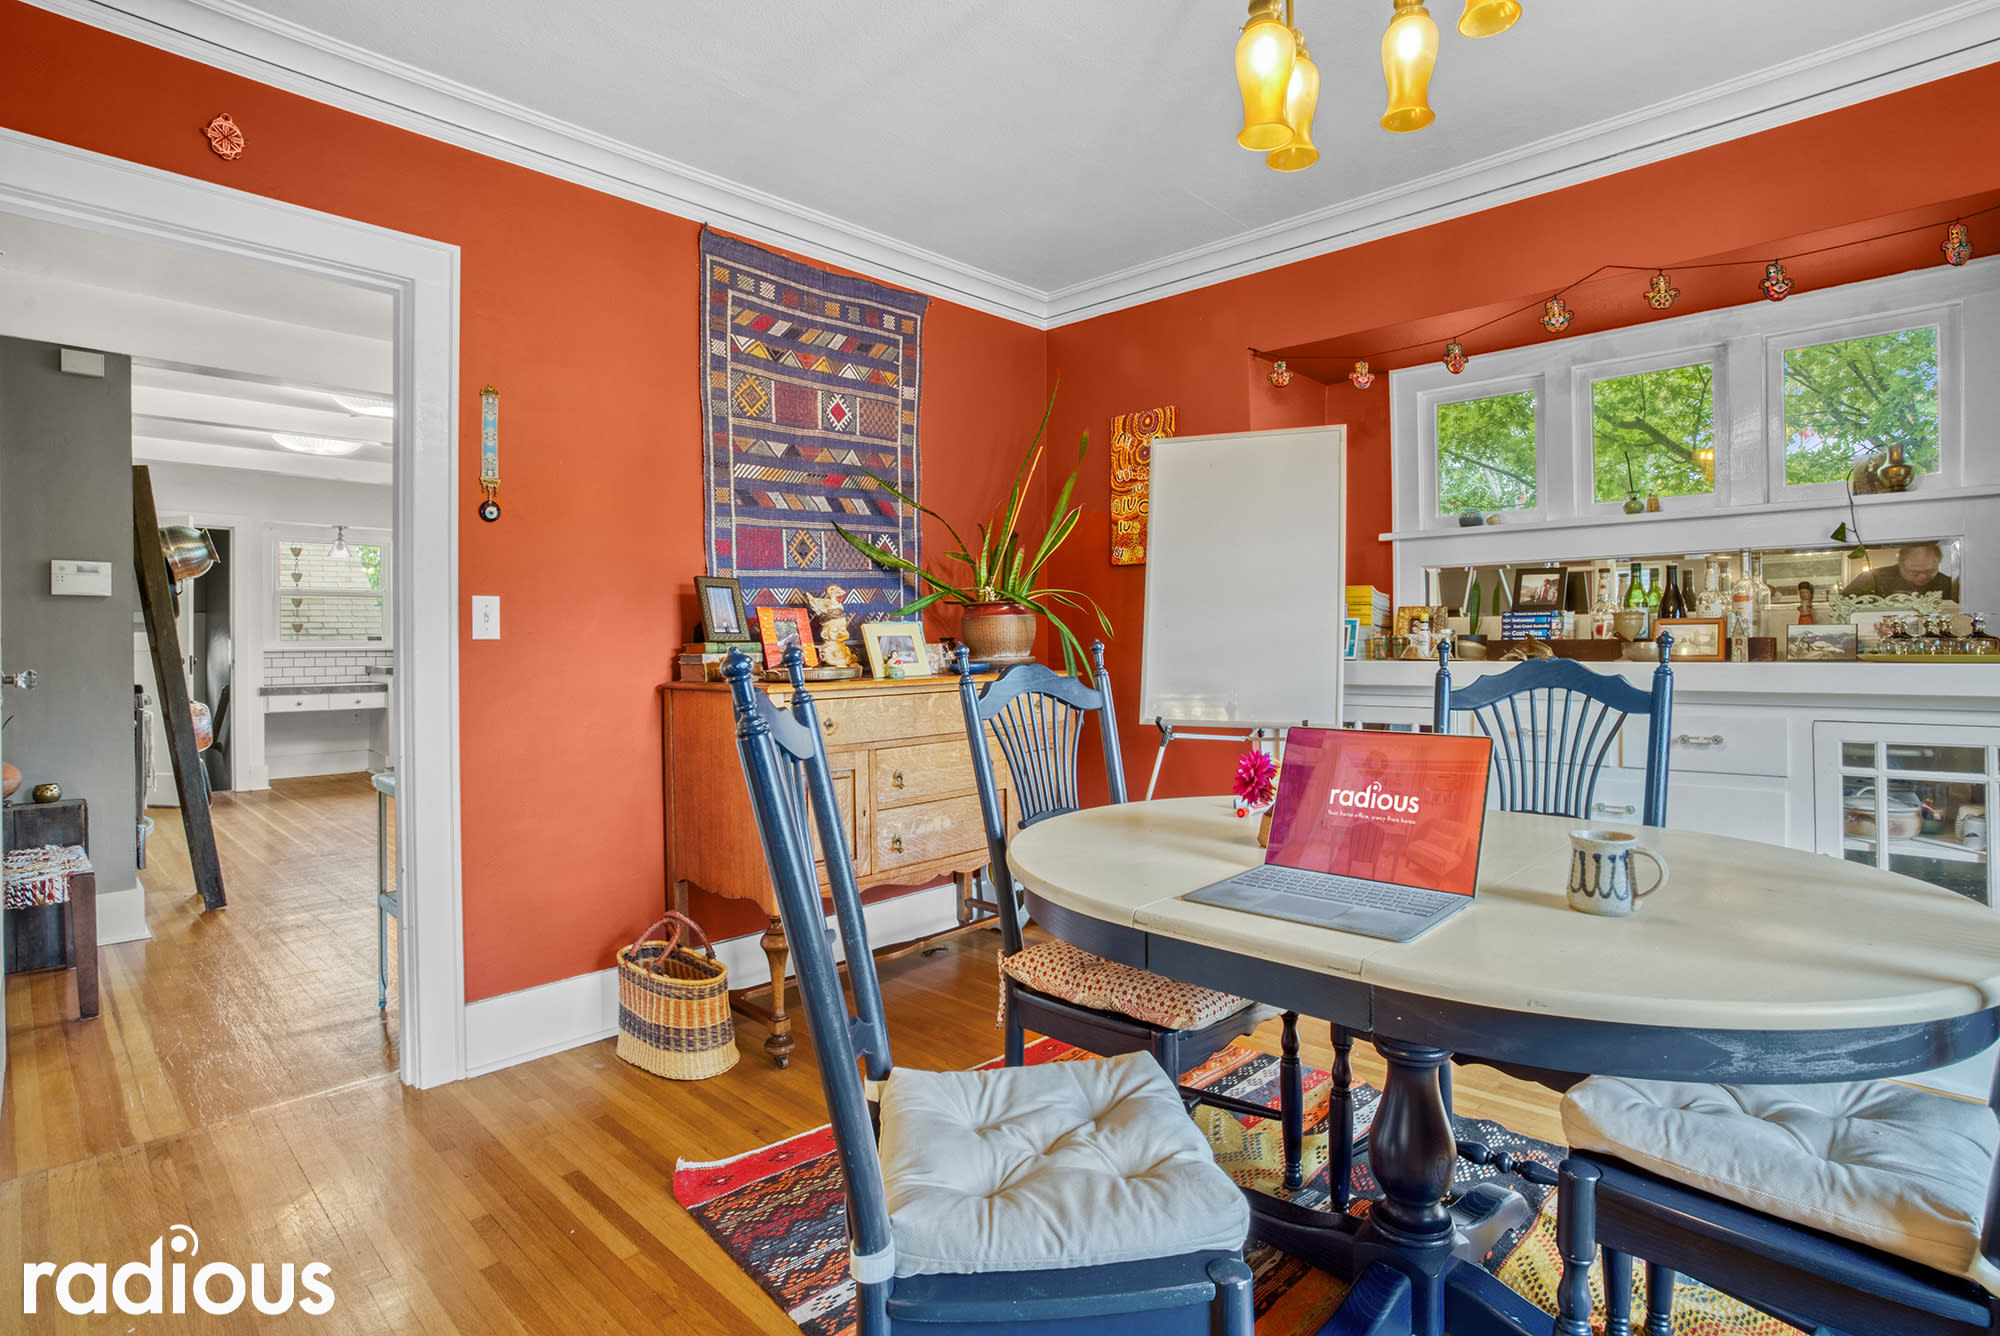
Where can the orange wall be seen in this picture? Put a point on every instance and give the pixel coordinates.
(584, 310)
(1906, 158)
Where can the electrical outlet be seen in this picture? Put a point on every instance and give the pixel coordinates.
(485, 616)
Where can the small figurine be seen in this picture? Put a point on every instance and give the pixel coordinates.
(1361, 376)
(1777, 284)
(1957, 245)
(1454, 357)
(1805, 603)
(1660, 294)
(831, 609)
(1556, 315)
(1280, 375)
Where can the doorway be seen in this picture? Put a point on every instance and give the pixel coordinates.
(64, 185)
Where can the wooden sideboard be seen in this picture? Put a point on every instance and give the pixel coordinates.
(901, 771)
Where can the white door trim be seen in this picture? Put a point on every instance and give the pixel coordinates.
(43, 179)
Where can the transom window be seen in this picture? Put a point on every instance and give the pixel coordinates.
(1486, 454)
(327, 598)
(1856, 397)
(1654, 432)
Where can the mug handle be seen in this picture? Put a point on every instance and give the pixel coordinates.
(1659, 863)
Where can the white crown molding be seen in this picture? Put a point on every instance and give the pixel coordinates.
(234, 37)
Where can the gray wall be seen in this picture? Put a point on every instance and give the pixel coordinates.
(66, 492)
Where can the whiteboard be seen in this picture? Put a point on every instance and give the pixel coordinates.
(1245, 579)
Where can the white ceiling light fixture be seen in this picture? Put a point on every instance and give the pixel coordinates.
(316, 445)
(374, 408)
(340, 551)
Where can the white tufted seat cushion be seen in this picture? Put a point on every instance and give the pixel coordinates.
(1896, 1168)
(1064, 1165)
(1075, 975)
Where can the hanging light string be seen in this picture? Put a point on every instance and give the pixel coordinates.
(1604, 269)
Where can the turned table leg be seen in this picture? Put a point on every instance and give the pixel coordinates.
(1412, 1153)
(779, 1043)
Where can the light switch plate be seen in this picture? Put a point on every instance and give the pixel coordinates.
(485, 616)
(91, 579)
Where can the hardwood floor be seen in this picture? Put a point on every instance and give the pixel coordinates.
(241, 1083)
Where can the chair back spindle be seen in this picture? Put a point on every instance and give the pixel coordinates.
(1553, 723)
(791, 792)
(1035, 716)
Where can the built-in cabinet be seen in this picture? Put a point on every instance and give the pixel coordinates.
(1911, 798)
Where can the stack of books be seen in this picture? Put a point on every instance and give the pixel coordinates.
(1369, 606)
(1531, 625)
(702, 660)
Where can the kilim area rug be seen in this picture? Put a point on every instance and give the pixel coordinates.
(813, 382)
(779, 1212)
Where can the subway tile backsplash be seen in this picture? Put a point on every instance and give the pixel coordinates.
(305, 667)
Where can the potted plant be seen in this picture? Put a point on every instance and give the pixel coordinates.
(1001, 591)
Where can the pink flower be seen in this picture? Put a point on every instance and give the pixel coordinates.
(1256, 783)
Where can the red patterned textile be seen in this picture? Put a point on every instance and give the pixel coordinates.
(1063, 971)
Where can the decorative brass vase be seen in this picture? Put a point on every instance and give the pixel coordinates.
(999, 633)
(47, 793)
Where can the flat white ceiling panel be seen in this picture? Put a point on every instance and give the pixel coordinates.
(1063, 154)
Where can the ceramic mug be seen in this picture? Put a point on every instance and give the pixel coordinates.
(1600, 872)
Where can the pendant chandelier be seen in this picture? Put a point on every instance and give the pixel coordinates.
(1280, 82)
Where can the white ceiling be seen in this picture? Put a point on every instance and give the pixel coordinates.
(1049, 159)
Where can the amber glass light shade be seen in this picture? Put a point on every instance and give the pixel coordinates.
(1409, 51)
(1483, 18)
(1301, 99)
(1265, 54)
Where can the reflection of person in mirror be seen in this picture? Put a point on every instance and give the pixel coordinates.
(722, 614)
(1915, 572)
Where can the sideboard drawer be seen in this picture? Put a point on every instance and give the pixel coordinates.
(905, 775)
(905, 835)
(1726, 741)
(850, 721)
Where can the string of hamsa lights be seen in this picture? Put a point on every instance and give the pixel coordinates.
(1659, 293)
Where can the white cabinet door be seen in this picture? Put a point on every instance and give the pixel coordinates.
(1911, 798)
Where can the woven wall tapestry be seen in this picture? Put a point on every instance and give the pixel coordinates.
(1131, 480)
(812, 385)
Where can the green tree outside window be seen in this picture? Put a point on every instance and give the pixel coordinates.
(1851, 398)
(1654, 432)
(1486, 454)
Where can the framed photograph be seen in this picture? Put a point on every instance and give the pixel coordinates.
(1539, 589)
(780, 629)
(1352, 639)
(897, 649)
(722, 615)
(1695, 638)
(1820, 644)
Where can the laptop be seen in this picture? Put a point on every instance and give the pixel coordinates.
(1375, 833)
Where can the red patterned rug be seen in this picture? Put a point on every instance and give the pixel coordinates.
(779, 1211)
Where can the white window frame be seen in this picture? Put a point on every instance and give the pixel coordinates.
(1950, 356)
(1428, 405)
(1586, 375)
(277, 535)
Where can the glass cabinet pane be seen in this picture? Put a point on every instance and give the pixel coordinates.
(1946, 760)
(1857, 755)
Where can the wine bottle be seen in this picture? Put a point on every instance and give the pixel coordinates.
(1742, 612)
(1472, 608)
(1672, 603)
(1713, 602)
(1635, 591)
(1652, 592)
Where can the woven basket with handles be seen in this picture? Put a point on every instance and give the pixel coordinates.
(673, 1004)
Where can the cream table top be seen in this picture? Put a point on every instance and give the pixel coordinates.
(1746, 936)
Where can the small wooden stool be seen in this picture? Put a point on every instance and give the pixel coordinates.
(60, 874)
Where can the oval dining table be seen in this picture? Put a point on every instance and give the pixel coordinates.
(1755, 964)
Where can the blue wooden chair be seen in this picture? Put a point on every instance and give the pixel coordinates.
(1553, 723)
(1072, 1197)
(1036, 716)
(1866, 1209)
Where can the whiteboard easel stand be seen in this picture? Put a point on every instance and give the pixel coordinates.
(1257, 737)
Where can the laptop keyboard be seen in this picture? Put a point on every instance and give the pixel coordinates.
(1344, 890)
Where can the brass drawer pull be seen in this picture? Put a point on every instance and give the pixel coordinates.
(896, 779)
(895, 844)
(828, 725)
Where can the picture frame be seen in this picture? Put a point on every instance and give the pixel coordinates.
(1822, 642)
(780, 628)
(1870, 627)
(1538, 589)
(1698, 639)
(1351, 640)
(896, 649)
(723, 619)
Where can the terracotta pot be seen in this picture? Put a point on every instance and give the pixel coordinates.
(1001, 633)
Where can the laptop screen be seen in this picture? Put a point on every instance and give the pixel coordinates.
(1404, 808)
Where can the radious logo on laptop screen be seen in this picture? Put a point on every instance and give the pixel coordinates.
(1404, 808)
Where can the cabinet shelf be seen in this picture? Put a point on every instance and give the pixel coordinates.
(1920, 846)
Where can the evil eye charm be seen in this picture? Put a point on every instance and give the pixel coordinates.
(489, 510)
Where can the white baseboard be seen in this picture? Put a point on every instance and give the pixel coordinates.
(535, 1022)
(301, 764)
(121, 916)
